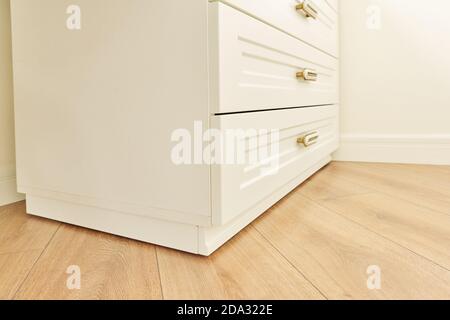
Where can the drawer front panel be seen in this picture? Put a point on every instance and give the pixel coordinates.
(274, 154)
(321, 32)
(258, 67)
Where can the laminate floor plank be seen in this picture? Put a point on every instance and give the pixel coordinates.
(20, 232)
(335, 254)
(110, 267)
(421, 230)
(247, 267)
(325, 185)
(414, 187)
(435, 178)
(14, 268)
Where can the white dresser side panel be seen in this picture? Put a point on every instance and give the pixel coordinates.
(96, 107)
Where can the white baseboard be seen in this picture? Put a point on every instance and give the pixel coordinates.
(8, 191)
(409, 149)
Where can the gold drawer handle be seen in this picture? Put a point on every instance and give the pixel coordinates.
(307, 9)
(307, 75)
(309, 139)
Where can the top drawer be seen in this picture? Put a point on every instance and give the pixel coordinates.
(254, 66)
(320, 32)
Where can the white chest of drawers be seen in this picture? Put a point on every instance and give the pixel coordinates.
(101, 111)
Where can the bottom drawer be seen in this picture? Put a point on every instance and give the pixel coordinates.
(261, 152)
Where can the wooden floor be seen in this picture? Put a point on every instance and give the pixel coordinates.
(317, 243)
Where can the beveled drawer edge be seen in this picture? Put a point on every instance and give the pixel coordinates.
(225, 2)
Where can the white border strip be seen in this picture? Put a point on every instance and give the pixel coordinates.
(409, 149)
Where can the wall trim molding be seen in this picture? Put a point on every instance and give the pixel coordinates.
(409, 149)
(8, 191)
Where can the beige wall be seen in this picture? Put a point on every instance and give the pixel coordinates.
(7, 161)
(396, 81)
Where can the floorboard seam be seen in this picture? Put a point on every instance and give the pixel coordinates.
(415, 204)
(390, 195)
(382, 236)
(290, 263)
(159, 273)
(18, 252)
(35, 262)
(338, 197)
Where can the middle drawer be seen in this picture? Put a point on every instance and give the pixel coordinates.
(257, 67)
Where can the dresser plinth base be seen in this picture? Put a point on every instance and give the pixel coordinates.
(184, 237)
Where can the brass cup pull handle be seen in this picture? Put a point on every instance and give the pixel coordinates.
(309, 139)
(307, 75)
(307, 9)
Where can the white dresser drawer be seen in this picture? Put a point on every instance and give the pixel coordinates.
(256, 66)
(321, 32)
(241, 186)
